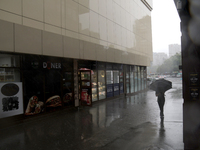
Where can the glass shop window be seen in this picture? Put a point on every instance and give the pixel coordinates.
(139, 79)
(132, 79)
(101, 84)
(9, 68)
(116, 82)
(121, 79)
(136, 78)
(127, 82)
(109, 76)
(94, 85)
(67, 88)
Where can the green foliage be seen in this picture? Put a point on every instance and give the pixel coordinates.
(170, 65)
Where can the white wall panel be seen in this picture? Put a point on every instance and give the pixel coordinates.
(84, 20)
(52, 12)
(117, 26)
(94, 5)
(89, 51)
(28, 40)
(110, 55)
(110, 29)
(52, 29)
(101, 53)
(94, 25)
(71, 47)
(103, 28)
(14, 6)
(85, 3)
(109, 9)
(10, 17)
(72, 16)
(6, 36)
(52, 44)
(33, 23)
(102, 8)
(33, 9)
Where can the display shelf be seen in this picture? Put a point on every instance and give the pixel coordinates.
(7, 74)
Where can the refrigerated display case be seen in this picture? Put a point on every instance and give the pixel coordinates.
(9, 75)
(85, 87)
(9, 68)
(94, 86)
(101, 84)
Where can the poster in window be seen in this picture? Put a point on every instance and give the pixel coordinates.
(11, 99)
(86, 97)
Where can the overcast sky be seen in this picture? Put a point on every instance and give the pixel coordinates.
(165, 25)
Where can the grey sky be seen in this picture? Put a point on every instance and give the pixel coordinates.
(165, 25)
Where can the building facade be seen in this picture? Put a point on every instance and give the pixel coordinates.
(159, 58)
(173, 49)
(61, 53)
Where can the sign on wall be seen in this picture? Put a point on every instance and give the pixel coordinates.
(11, 99)
(194, 93)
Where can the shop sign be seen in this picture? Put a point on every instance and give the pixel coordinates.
(51, 65)
(194, 93)
(194, 79)
(35, 64)
(11, 99)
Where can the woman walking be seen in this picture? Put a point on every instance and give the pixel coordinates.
(161, 102)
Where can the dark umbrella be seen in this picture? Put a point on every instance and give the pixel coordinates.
(161, 84)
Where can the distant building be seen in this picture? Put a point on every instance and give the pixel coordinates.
(159, 58)
(173, 49)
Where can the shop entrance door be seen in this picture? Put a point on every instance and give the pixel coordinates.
(85, 87)
(53, 89)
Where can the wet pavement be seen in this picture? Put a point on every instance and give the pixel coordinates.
(125, 123)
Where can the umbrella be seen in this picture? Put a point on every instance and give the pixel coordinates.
(161, 84)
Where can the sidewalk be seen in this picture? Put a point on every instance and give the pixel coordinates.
(128, 123)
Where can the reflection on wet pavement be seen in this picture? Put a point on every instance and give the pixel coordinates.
(124, 123)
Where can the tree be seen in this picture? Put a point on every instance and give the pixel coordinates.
(170, 65)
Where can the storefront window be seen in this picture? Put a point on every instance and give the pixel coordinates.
(9, 68)
(116, 82)
(85, 87)
(34, 101)
(101, 84)
(85, 76)
(67, 88)
(132, 79)
(136, 78)
(53, 89)
(128, 79)
(9, 60)
(94, 85)
(145, 78)
(142, 78)
(9, 75)
(109, 77)
(109, 83)
(121, 79)
(139, 79)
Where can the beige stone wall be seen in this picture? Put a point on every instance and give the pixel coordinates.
(113, 31)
